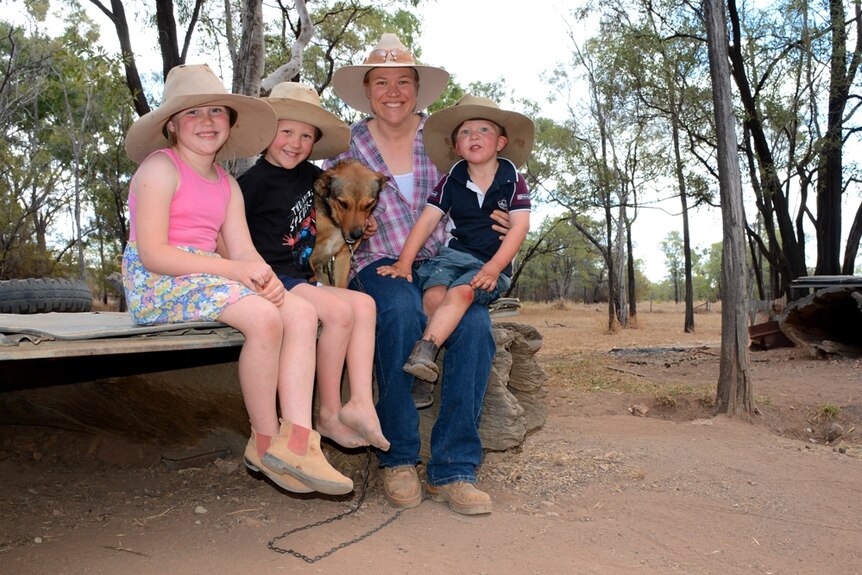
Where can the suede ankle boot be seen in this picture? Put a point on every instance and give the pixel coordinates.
(422, 392)
(255, 449)
(296, 451)
(422, 361)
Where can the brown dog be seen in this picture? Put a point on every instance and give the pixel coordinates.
(344, 197)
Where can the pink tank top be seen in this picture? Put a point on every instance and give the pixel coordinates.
(198, 207)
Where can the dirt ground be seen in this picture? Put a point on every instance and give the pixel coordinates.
(630, 474)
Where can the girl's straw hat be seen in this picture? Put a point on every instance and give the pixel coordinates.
(437, 133)
(349, 81)
(192, 85)
(300, 103)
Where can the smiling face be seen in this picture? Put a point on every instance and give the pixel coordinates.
(292, 144)
(392, 92)
(202, 130)
(478, 141)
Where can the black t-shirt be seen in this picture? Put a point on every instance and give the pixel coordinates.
(279, 209)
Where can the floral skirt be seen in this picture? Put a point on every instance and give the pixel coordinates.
(156, 299)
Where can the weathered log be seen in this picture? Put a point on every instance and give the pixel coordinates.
(188, 407)
(514, 402)
(826, 322)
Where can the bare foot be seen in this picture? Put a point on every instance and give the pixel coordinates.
(337, 431)
(363, 418)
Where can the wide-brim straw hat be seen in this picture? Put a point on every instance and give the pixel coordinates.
(437, 133)
(349, 81)
(301, 103)
(192, 85)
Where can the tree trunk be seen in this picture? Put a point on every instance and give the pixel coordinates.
(852, 247)
(688, 323)
(830, 169)
(248, 69)
(630, 267)
(789, 254)
(734, 396)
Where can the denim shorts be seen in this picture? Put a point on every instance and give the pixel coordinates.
(452, 268)
(291, 282)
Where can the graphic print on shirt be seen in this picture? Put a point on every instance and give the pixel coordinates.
(300, 233)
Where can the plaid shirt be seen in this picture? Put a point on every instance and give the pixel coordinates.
(395, 215)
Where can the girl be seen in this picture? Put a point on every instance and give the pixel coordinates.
(181, 204)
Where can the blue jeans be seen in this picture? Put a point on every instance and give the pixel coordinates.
(456, 450)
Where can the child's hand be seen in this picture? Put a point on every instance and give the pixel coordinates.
(273, 290)
(486, 278)
(253, 274)
(397, 270)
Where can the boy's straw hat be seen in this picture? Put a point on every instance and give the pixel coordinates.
(349, 81)
(193, 85)
(437, 133)
(300, 103)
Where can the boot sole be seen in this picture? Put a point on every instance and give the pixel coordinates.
(315, 483)
(423, 372)
(404, 503)
(474, 509)
(276, 480)
(422, 402)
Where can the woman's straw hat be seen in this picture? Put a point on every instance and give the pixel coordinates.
(349, 81)
(192, 85)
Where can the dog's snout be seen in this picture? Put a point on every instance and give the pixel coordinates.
(356, 233)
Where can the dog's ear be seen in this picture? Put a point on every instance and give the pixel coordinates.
(321, 184)
(381, 181)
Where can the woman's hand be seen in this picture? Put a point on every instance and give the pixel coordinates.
(501, 224)
(370, 228)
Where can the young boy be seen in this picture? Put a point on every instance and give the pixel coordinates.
(480, 147)
(279, 196)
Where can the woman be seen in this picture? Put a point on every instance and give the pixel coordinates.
(392, 88)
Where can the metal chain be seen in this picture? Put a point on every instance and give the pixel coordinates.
(362, 491)
(272, 543)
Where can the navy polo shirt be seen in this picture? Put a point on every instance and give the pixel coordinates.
(472, 231)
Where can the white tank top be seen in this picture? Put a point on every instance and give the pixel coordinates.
(405, 185)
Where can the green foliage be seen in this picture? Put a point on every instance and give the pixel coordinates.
(560, 264)
(64, 97)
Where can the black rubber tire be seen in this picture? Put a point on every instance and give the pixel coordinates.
(43, 295)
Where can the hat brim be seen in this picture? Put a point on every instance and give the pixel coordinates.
(252, 132)
(335, 134)
(437, 134)
(348, 82)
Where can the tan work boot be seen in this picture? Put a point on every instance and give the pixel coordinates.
(401, 486)
(253, 462)
(422, 361)
(463, 497)
(296, 451)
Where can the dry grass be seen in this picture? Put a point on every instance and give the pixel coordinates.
(576, 328)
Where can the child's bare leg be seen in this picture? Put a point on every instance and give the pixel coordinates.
(447, 315)
(432, 298)
(337, 320)
(260, 323)
(359, 412)
(297, 360)
(444, 318)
